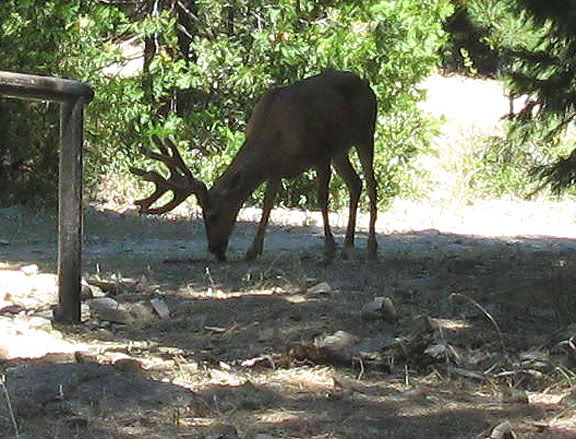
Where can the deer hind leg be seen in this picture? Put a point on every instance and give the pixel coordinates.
(345, 170)
(324, 174)
(366, 156)
(255, 249)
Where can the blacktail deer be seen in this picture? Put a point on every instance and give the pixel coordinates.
(311, 123)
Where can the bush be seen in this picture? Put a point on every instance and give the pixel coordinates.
(201, 77)
(44, 38)
(532, 43)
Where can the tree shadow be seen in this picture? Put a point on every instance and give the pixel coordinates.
(88, 400)
(224, 313)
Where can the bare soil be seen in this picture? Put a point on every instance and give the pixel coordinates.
(482, 336)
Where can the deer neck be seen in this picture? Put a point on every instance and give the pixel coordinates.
(237, 183)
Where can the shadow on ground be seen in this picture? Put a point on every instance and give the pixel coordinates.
(497, 299)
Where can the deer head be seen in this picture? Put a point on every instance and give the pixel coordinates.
(224, 201)
(218, 218)
(310, 124)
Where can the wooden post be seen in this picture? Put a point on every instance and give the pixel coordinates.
(73, 96)
(70, 211)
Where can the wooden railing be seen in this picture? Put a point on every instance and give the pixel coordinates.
(72, 96)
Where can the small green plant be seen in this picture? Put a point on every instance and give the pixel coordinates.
(508, 165)
(468, 62)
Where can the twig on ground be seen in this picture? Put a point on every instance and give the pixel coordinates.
(487, 314)
(9, 404)
(361, 373)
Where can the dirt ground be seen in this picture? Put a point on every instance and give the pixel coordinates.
(479, 335)
(462, 328)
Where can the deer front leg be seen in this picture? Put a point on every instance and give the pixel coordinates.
(255, 249)
(324, 175)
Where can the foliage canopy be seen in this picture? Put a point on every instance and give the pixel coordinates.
(531, 45)
(203, 65)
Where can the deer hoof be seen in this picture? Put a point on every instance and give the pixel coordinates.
(330, 252)
(252, 253)
(345, 254)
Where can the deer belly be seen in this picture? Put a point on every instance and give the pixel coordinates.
(289, 171)
(292, 169)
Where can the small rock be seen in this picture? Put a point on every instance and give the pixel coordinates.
(419, 394)
(30, 270)
(160, 307)
(333, 348)
(380, 308)
(59, 357)
(337, 341)
(107, 309)
(320, 289)
(86, 291)
(424, 325)
(503, 431)
(389, 309)
(141, 312)
(92, 324)
(438, 350)
(373, 310)
(100, 303)
(129, 365)
(85, 312)
(131, 211)
(4, 242)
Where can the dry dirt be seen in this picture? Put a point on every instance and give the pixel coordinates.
(498, 346)
(483, 332)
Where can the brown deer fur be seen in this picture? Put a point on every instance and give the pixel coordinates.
(311, 123)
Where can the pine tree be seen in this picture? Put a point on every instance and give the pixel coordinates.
(547, 74)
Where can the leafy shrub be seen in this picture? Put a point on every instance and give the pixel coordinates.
(533, 43)
(199, 85)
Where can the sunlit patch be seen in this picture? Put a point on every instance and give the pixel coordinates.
(316, 379)
(219, 294)
(452, 324)
(282, 416)
(546, 399)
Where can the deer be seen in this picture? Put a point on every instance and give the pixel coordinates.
(309, 124)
